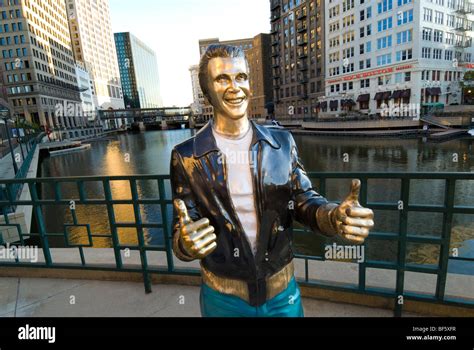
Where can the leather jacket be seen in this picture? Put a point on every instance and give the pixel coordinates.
(282, 193)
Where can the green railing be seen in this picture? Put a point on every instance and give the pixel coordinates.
(30, 143)
(102, 191)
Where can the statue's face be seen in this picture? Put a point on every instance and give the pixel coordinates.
(229, 87)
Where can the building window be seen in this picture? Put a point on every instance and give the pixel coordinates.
(426, 34)
(448, 55)
(427, 15)
(383, 43)
(439, 17)
(384, 24)
(405, 17)
(437, 54)
(384, 6)
(426, 52)
(398, 78)
(450, 21)
(368, 46)
(404, 55)
(384, 59)
(403, 2)
(364, 83)
(449, 38)
(404, 37)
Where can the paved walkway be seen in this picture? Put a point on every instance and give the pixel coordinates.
(43, 297)
(6, 164)
(32, 297)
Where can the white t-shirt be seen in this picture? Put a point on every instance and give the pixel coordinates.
(239, 177)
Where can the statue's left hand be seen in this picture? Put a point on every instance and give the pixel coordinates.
(352, 220)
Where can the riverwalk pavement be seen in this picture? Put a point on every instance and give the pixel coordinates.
(69, 293)
(38, 297)
(39, 292)
(6, 164)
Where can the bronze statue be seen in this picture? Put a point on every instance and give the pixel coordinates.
(235, 212)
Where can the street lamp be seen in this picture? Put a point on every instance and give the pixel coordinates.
(5, 114)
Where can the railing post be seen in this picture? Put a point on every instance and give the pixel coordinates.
(41, 225)
(450, 189)
(363, 201)
(113, 227)
(141, 241)
(164, 220)
(402, 245)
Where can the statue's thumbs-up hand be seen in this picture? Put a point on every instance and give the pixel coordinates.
(197, 238)
(352, 220)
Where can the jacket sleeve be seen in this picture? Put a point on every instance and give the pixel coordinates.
(311, 209)
(181, 189)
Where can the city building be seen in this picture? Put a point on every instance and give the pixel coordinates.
(37, 61)
(138, 72)
(3, 91)
(257, 51)
(395, 57)
(259, 58)
(198, 98)
(297, 30)
(85, 87)
(94, 46)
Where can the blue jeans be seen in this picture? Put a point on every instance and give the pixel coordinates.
(285, 304)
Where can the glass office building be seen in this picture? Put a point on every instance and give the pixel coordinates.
(138, 72)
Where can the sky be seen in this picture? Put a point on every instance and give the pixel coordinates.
(172, 28)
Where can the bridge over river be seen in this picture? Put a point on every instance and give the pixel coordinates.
(149, 118)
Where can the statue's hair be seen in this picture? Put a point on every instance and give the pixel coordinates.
(215, 51)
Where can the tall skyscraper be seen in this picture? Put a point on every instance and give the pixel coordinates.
(138, 72)
(396, 53)
(94, 46)
(257, 51)
(297, 29)
(37, 61)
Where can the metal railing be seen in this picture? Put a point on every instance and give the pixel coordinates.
(160, 197)
(30, 143)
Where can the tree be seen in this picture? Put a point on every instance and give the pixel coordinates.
(469, 76)
(467, 86)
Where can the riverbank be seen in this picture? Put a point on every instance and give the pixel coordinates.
(433, 127)
(363, 133)
(434, 134)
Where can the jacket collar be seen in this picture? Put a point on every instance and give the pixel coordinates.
(204, 141)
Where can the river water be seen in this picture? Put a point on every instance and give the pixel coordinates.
(149, 153)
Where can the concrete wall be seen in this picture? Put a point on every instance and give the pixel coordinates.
(460, 119)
